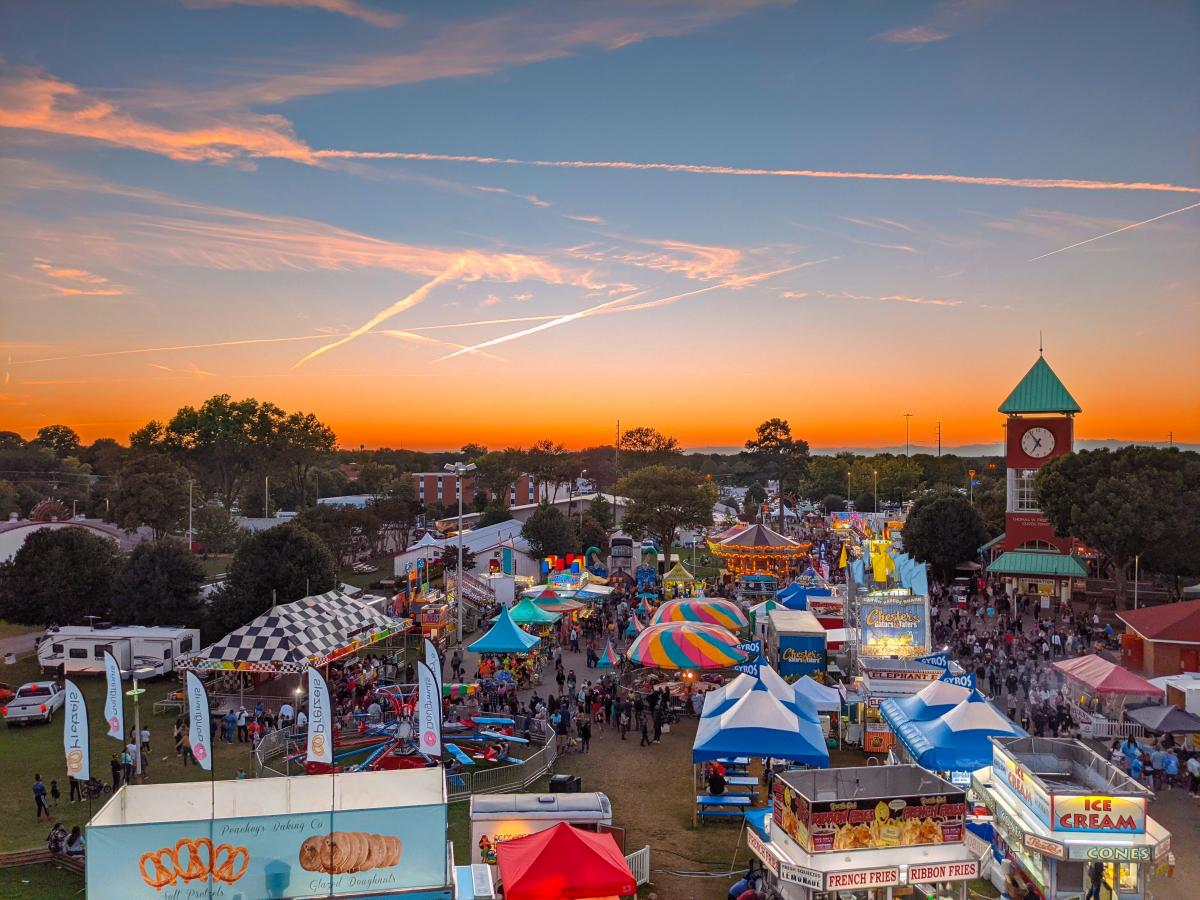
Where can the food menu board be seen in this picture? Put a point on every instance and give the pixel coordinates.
(869, 823)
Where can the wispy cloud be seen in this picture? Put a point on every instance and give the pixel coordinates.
(593, 220)
(913, 34)
(889, 298)
(381, 18)
(949, 18)
(793, 295)
(489, 300)
(878, 222)
(1077, 184)
(79, 282)
(701, 262)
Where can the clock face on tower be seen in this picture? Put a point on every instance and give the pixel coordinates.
(1037, 442)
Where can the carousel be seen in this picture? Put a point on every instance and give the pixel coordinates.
(757, 550)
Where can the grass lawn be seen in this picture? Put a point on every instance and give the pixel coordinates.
(38, 749)
(40, 882)
(216, 564)
(706, 565)
(8, 629)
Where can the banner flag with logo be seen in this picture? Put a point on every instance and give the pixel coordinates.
(199, 732)
(320, 719)
(75, 733)
(114, 704)
(754, 648)
(966, 680)
(429, 711)
(941, 660)
(432, 659)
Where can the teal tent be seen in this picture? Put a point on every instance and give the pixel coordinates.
(505, 637)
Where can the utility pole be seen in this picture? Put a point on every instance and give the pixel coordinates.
(266, 496)
(939, 437)
(907, 416)
(1171, 439)
(190, 483)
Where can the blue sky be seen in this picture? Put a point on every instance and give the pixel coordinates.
(185, 177)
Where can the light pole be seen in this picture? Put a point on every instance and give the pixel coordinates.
(907, 416)
(875, 472)
(1137, 560)
(135, 693)
(582, 473)
(190, 539)
(971, 485)
(459, 469)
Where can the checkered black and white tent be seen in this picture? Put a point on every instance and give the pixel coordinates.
(291, 637)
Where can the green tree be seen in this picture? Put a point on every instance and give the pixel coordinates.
(550, 464)
(943, 529)
(216, 530)
(304, 441)
(865, 502)
(833, 503)
(279, 565)
(493, 514)
(593, 534)
(826, 475)
(375, 477)
(1122, 502)
(61, 440)
(339, 527)
(497, 471)
(471, 451)
(449, 557)
(160, 585)
(152, 490)
(756, 495)
(10, 440)
(781, 455)
(59, 577)
(549, 533)
(105, 456)
(643, 446)
(10, 500)
(664, 499)
(602, 511)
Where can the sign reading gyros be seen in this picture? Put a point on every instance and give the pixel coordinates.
(869, 824)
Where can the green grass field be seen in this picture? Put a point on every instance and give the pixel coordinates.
(38, 749)
(41, 882)
(8, 629)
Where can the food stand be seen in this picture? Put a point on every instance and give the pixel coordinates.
(1058, 807)
(893, 623)
(378, 834)
(795, 643)
(869, 833)
(883, 679)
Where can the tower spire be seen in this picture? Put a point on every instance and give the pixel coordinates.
(1039, 342)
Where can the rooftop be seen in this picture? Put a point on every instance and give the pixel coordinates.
(1040, 391)
(866, 782)
(1064, 766)
(1177, 623)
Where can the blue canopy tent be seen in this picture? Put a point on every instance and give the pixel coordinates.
(931, 702)
(782, 595)
(759, 724)
(723, 698)
(822, 697)
(505, 637)
(958, 740)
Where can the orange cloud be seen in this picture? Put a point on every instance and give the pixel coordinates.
(702, 262)
(369, 14)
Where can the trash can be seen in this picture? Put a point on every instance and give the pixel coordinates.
(565, 784)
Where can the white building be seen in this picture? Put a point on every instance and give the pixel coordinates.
(485, 543)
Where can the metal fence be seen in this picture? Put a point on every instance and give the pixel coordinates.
(639, 865)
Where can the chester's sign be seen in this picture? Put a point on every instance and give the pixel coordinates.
(879, 618)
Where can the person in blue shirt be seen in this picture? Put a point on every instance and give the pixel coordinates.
(1135, 768)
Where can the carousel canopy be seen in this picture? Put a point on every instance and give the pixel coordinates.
(757, 537)
(563, 863)
(505, 637)
(959, 740)
(708, 610)
(293, 636)
(1103, 677)
(759, 724)
(685, 645)
(526, 612)
(560, 605)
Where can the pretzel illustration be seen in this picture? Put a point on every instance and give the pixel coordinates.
(193, 859)
(343, 852)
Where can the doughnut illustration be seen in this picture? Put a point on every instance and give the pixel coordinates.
(343, 852)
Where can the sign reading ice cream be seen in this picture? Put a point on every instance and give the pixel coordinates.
(1100, 815)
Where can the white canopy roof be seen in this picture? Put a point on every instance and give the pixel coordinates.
(976, 717)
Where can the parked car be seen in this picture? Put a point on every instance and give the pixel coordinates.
(34, 702)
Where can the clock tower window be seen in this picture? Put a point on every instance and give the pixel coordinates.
(1023, 494)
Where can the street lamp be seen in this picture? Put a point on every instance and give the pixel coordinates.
(459, 469)
(582, 473)
(907, 417)
(875, 472)
(135, 693)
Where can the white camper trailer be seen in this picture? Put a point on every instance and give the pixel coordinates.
(79, 649)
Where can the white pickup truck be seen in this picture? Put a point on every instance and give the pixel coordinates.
(34, 702)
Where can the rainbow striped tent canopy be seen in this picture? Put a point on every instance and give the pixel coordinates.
(685, 645)
(709, 611)
(608, 658)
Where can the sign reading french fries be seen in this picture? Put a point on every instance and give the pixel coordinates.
(869, 823)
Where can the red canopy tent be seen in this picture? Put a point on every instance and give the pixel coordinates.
(1103, 677)
(563, 863)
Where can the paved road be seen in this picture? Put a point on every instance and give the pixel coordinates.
(20, 644)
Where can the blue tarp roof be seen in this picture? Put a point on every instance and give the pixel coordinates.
(505, 637)
(957, 741)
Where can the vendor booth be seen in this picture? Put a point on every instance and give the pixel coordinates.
(1057, 807)
(377, 834)
(881, 680)
(1098, 686)
(564, 863)
(869, 833)
(497, 818)
(678, 582)
(795, 643)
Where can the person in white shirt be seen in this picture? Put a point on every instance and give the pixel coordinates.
(286, 714)
(301, 719)
(146, 741)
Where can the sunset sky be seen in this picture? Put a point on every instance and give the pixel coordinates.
(449, 222)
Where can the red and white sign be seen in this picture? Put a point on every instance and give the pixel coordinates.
(1045, 847)
(959, 871)
(864, 879)
(760, 849)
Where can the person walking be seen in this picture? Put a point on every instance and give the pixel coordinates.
(240, 720)
(76, 790)
(230, 726)
(646, 742)
(39, 798)
(1096, 881)
(114, 765)
(54, 794)
(585, 735)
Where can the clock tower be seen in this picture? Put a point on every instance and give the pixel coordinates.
(1040, 427)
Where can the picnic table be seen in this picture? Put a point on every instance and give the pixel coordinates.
(168, 705)
(731, 806)
(741, 780)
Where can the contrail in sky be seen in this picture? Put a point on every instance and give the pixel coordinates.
(1098, 237)
(1074, 184)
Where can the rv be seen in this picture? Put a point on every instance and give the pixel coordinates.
(79, 649)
